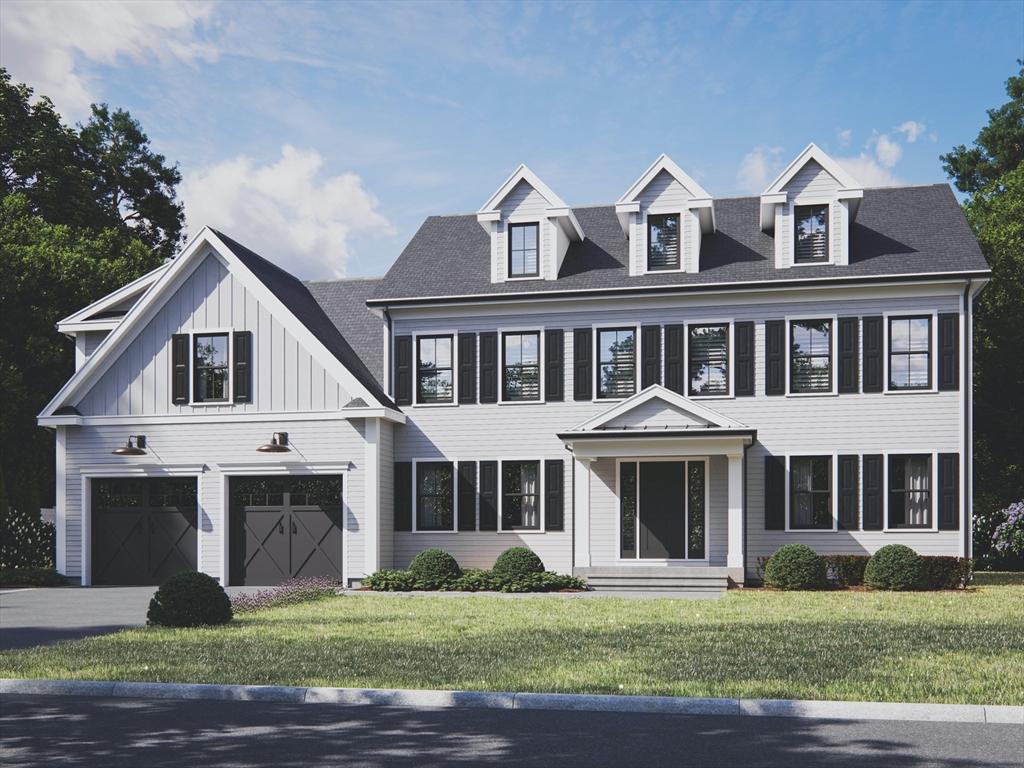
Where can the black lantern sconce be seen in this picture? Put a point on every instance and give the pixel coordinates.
(278, 444)
(134, 446)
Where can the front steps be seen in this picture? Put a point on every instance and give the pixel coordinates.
(677, 581)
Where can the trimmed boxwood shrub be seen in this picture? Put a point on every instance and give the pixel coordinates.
(846, 570)
(945, 572)
(434, 569)
(189, 599)
(31, 577)
(795, 566)
(895, 567)
(518, 561)
(390, 581)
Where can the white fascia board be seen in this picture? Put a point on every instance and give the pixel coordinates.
(768, 203)
(705, 208)
(566, 219)
(72, 329)
(135, 287)
(657, 391)
(486, 218)
(522, 173)
(130, 421)
(623, 212)
(813, 152)
(664, 163)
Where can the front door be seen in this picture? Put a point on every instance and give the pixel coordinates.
(663, 509)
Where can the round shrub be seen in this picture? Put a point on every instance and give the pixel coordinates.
(895, 566)
(518, 561)
(189, 599)
(434, 568)
(795, 566)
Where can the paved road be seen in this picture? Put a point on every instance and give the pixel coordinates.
(79, 732)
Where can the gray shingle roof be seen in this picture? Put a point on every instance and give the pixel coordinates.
(898, 231)
(344, 302)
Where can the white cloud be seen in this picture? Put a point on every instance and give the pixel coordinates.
(867, 171)
(912, 130)
(757, 168)
(287, 211)
(44, 43)
(844, 137)
(887, 151)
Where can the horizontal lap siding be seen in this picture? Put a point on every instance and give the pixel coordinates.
(524, 200)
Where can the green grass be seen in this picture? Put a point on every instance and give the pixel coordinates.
(856, 645)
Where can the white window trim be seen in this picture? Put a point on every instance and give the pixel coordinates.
(642, 561)
(416, 368)
(662, 210)
(595, 374)
(933, 507)
(540, 361)
(541, 499)
(231, 367)
(416, 493)
(833, 490)
(833, 319)
(729, 374)
(812, 200)
(933, 354)
(507, 253)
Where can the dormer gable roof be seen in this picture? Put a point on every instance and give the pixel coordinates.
(104, 314)
(557, 208)
(670, 411)
(700, 198)
(848, 187)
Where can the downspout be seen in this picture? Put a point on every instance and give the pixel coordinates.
(968, 376)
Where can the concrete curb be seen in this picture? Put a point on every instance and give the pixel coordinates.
(428, 699)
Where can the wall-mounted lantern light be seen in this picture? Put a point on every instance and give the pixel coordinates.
(278, 444)
(134, 446)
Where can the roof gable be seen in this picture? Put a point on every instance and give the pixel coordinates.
(657, 408)
(104, 314)
(812, 153)
(663, 164)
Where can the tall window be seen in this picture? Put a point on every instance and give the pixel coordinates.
(521, 366)
(910, 486)
(709, 359)
(810, 492)
(522, 250)
(811, 234)
(520, 495)
(910, 347)
(211, 368)
(616, 369)
(434, 369)
(663, 242)
(810, 356)
(435, 507)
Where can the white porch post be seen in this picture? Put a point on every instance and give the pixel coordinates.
(735, 552)
(61, 513)
(370, 521)
(581, 510)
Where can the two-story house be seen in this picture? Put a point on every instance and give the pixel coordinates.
(652, 393)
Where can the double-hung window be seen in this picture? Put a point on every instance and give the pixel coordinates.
(434, 381)
(523, 248)
(520, 496)
(810, 493)
(910, 486)
(662, 242)
(709, 359)
(616, 362)
(521, 366)
(810, 356)
(910, 353)
(811, 234)
(435, 497)
(211, 368)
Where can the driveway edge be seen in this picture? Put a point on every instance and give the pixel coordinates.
(429, 699)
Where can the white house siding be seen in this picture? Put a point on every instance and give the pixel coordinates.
(524, 202)
(664, 194)
(812, 183)
(92, 339)
(285, 376)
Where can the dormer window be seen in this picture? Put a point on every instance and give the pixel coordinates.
(811, 222)
(663, 242)
(522, 250)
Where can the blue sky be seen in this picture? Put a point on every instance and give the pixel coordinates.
(322, 134)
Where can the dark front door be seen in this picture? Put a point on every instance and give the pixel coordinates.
(143, 529)
(285, 527)
(662, 509)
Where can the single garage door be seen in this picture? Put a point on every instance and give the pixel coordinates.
(143, 529)
(285, 527)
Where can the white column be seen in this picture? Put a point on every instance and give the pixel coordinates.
(581, 510)
(735, 556)
(61, 513)
(370, 519)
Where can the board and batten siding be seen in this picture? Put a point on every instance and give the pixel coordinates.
(286, 377)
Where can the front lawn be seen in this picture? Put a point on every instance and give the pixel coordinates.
(941, 646)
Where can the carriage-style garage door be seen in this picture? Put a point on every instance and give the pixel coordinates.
(143, 529)
(285, 527)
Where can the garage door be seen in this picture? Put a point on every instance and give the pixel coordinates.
(143, 529)
(285, 527)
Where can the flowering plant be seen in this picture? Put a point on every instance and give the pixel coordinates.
(287, 593)
(1008, 537)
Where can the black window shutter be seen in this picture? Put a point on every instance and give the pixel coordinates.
(554, 361)
(650, 355)
(775, 357)
(403, 495)
(582, 364)
(489, 367)
(849, 375)
(872, 354)
(949, 352)
(179, 368)
(774, 493)
(872, 483)
(243, 366)
(467, 495)
(949, 491)
(743, 358)
(403, 370)
(488, 495)
(554, 495)
(675, 376)
(467, 367)
(848, 492)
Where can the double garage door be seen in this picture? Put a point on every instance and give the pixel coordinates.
(145, 529)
